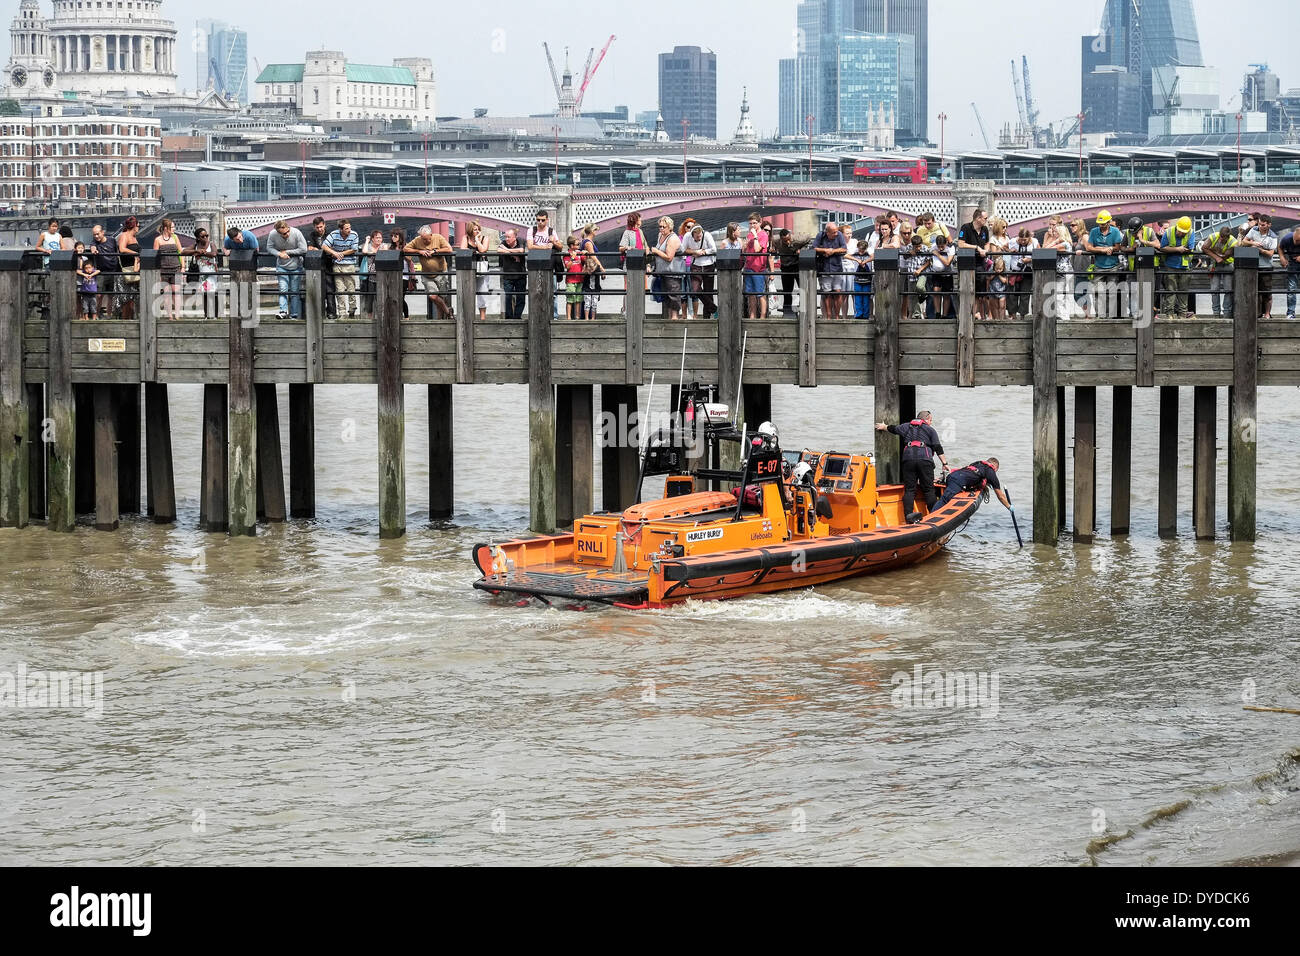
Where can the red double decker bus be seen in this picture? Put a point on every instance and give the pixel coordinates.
(891, 170)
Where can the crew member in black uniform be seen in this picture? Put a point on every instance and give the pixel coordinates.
(975, 477)
(920, 445)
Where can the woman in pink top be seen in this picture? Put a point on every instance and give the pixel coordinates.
(755, 268)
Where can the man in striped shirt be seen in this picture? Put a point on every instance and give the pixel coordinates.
(342, 246)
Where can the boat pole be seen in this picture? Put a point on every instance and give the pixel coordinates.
(1014, 523)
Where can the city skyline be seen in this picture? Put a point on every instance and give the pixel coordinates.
(494, 47)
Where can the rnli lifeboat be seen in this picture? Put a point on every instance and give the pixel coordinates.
(788, 520)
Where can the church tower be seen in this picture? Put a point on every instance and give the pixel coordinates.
(29, 76)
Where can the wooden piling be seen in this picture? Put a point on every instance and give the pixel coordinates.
(807, 358)
(1144, 325)
(241, 471)
(392, 403)
(731, 311)
(36, 447)
(105, 457)
(1085, 463)
(270, 463)
(1060, 456)
(1204, 455)
(619, 462)
(150, 313)
(965, 317)
(1167, 482)
(1121, 458)
(541, 395)
(83, 403)
(906, 403)
(302, 451)
(60, 403)
(1048, 416)
(884, 313)
(634, 307)
(128, 449)
(15, 416)
(158, 454)
(466, 288)
(212, 491)
(1243, 424)
(313, 312)
(574, 453)
(442, 483)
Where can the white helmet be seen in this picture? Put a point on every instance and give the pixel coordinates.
(768, 431)
(802, 473)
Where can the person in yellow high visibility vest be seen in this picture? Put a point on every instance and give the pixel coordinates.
(1219, 247)
(1178, 243)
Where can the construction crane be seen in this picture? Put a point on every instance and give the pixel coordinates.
(1064, 139)
(569, 101)
(1030, 110)
(590, 71)
(1020, 96)
(979, 119)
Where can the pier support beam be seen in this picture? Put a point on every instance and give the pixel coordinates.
(212, 491)
(83, 401)
(619, 462)
(731, 311)
(241, 472)
(1243, 425)
(270, 463)
(541, 396)
(1204, 483)
(1167, 509)
(128, 449)
(36, 442)
(1121, 458)
(158, 454)
(1085, 463)
(906, 403)
(1060, 456)
(302, 451)
(105, 457)
(1048, 416)
(442, 480)
(60, 404)
(757, 404)
(392, 402)
(887, 401)
(574, 453)
(15, 417)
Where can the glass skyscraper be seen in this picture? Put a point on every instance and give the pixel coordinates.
(688, 89)
(1136, 36)
(226, 55)
(840, 61)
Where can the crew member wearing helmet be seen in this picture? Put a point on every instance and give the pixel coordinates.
(920, 445)
(975, 477)
(1132, 242)
(1179, 242)
(1104, 241)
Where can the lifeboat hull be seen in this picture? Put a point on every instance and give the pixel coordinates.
(544, 567)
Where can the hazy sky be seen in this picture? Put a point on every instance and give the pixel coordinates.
(490, 54)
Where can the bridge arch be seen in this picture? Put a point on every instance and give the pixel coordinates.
(765, 203)
(261, 221)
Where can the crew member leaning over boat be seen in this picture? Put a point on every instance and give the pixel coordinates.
(920, 445)
(975, 477)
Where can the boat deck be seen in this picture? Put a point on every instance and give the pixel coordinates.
(564, 581)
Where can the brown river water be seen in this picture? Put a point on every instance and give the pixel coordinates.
(315, 694)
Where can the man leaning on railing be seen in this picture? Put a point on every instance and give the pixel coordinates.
(289, 246)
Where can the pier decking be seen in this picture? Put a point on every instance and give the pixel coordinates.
(69, 388)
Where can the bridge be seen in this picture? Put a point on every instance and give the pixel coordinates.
(607, 208)
(70, 391)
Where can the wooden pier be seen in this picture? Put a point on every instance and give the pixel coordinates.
(70, 390)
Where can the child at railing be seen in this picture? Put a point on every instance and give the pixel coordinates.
(573, 263)
(87, 284)
(998, 289)
(861, 280)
